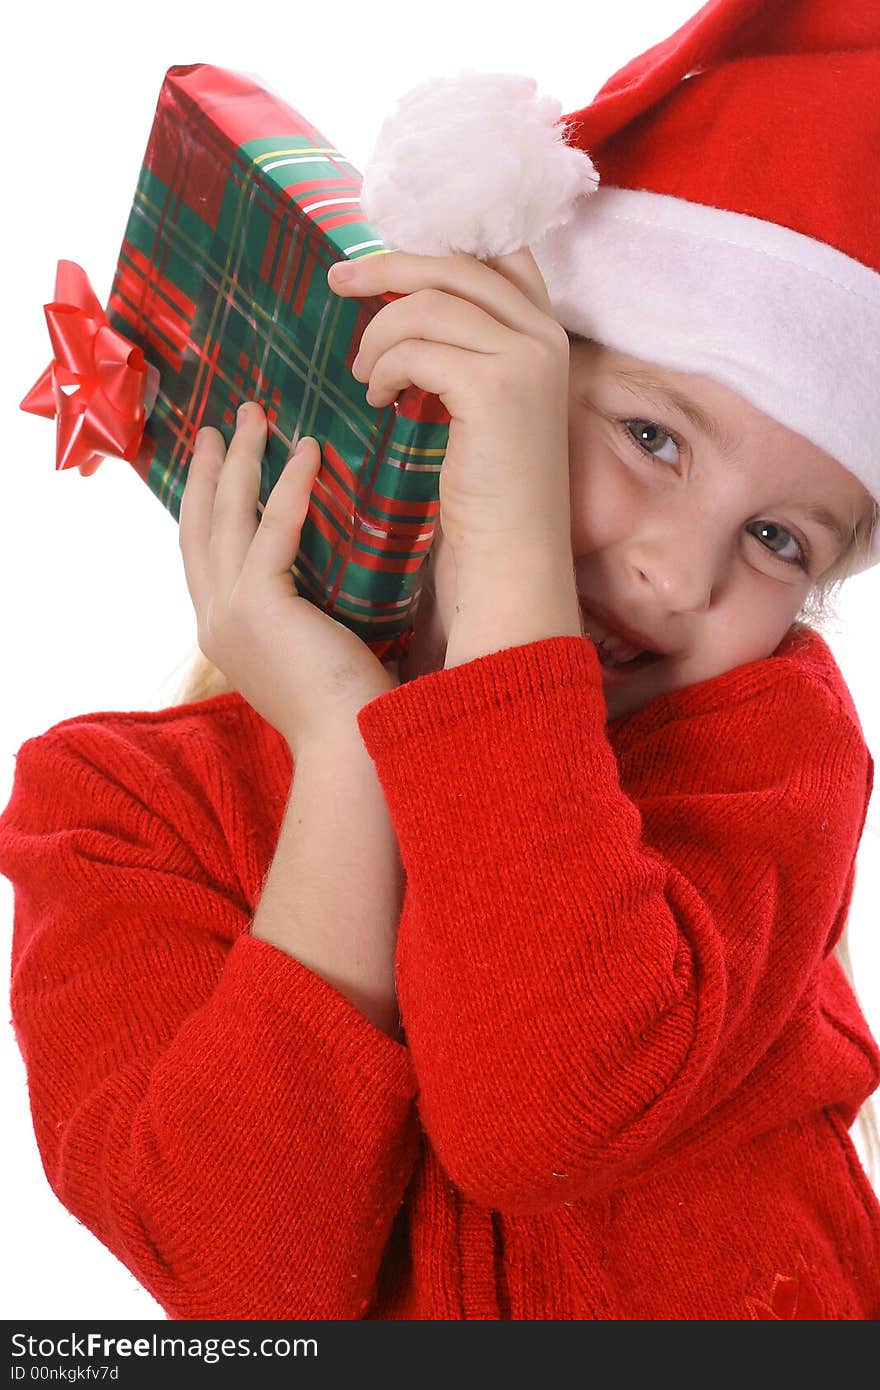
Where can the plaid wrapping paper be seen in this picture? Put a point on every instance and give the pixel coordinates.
(241, 207)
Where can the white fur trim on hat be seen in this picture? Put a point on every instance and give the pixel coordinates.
(788, 322)
(473, 163)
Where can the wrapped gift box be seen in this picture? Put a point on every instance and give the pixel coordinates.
(241, 208)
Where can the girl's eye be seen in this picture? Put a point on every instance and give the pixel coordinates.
(802, 557)
(645, 435)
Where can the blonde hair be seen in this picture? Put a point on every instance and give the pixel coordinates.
(202, 680)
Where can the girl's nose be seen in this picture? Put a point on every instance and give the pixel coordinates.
(681, 570)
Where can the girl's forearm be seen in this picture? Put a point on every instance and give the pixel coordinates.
(333, 893)
(511, 599)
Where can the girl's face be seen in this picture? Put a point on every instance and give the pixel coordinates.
(699, 538)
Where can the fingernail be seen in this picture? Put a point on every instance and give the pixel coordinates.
(242, 410)
(300, 448)
(341, 272)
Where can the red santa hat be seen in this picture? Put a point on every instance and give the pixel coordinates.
(714, 209)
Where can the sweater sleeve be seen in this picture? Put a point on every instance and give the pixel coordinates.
(219, 1116)
(585, 975)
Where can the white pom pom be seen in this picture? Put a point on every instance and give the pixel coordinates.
(474, 163)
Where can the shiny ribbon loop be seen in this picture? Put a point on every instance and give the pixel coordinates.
(99, 386)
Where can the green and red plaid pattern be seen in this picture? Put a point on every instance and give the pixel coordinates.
(241, 208)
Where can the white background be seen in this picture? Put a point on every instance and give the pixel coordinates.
(96, 614)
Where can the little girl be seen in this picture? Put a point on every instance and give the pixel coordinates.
(505, 985)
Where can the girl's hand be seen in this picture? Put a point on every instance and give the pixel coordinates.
(303, 671)
(481, 337)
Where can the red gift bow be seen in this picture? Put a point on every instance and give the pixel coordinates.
(99, 385)
(792, 1297)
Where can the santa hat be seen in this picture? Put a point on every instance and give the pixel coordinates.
(714, 209)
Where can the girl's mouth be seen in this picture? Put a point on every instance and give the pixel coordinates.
(618, 670)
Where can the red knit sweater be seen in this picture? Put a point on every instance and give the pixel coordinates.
(631, 1059)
